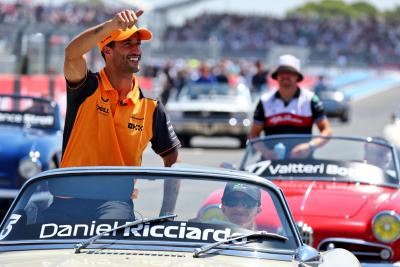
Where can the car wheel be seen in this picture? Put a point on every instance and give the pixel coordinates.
(345, 116)
(243, 141)
(185, 140)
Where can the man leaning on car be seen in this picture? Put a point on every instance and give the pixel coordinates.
(108, 121)
(290, 110)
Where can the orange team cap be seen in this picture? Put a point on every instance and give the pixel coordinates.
(120, 35)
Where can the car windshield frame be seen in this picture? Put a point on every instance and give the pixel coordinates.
(151, 174)
(250, 149)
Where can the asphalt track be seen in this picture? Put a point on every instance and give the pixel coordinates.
(368, 117)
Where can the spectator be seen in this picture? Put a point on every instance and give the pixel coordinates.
(259, 81)
(320, 85)
(168, 84)
(205, 74)
(378, 155)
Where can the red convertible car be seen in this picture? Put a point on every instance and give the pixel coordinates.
(344, 194)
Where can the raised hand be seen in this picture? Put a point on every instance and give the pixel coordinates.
(126, 19)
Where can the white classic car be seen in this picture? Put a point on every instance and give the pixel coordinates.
(113, 216)
(211, 109)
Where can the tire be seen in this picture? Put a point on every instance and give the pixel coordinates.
(345, 116)
(185, 140)
(243, 141)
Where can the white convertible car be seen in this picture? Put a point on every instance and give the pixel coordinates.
(113, 216)
(211, 109)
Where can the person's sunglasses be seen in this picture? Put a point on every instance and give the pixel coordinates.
(244, 202)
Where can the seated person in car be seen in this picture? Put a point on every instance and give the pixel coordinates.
(241, 204)
(381, 157)
(377, 155)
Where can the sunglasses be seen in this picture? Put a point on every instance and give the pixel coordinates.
(244, 202)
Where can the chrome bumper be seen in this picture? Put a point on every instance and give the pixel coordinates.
(209, 129)
(380, 264)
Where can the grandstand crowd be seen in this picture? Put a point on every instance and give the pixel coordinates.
(69, 13)
(373, 40)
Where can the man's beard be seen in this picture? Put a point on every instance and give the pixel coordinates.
(126, 67)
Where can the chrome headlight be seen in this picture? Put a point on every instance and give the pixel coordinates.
(339, 96)
(306, 232)
(240, 117)
(386, 226)
(29, 166)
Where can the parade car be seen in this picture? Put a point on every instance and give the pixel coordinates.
(336, 103)
(136, 216)
(211, 109)
(343, 195)
(30, 142)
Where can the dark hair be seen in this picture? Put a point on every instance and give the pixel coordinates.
(110, 44)
(258, 63)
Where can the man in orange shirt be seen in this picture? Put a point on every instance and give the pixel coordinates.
(108, 120)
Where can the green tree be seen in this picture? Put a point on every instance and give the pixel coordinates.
(335, 8)
(393, 14)
(363, 9)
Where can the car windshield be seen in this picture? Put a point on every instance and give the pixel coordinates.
(340, 158)
(26, 111)
(210, 90)
(74, 207)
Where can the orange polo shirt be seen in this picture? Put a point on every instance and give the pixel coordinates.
(100, 131)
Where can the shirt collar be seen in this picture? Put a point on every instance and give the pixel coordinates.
(296, 95)
(134, 95)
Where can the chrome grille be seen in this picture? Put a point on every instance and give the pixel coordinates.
(206, 114)
(364, 251)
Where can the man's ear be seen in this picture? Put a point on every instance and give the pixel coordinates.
(107, 50)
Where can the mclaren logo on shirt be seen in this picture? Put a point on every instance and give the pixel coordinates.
(135, 127)
(102, 110)
(105, 100)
